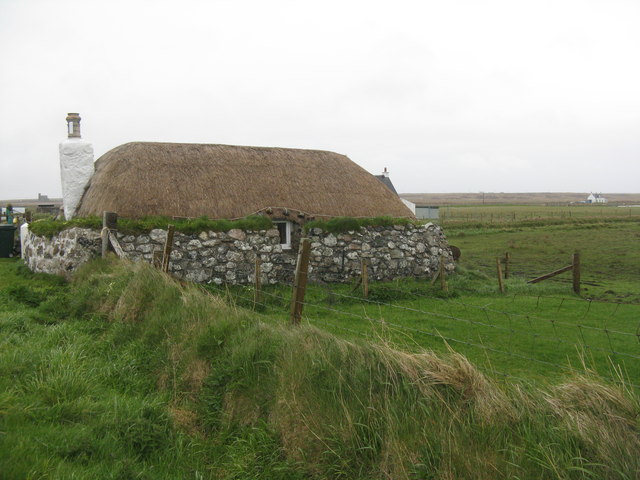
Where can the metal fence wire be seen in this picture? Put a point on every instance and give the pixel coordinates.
(509, 344)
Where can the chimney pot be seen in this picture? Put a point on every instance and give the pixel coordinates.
(73, 125)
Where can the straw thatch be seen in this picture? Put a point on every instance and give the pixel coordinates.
(224, 181)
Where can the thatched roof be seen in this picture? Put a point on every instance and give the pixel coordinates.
(224, 181)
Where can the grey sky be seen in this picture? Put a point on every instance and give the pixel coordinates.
(451, 96)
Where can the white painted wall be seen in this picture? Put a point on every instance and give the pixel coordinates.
(410, 205)
(24, 232)
(76, 169)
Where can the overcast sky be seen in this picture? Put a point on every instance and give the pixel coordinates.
(451, 96)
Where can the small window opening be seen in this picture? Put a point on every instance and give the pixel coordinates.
(284, 229)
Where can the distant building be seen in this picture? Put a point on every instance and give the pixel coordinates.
(42, 204)
(424, 212)
(596, 198)
(384, 178)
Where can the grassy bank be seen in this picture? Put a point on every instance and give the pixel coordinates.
(535, 332)
(129, 374)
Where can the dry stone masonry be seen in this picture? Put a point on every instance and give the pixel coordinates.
(230, 257)
(61, 254)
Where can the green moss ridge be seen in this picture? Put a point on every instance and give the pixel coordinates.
(130, 226)
(348, 224)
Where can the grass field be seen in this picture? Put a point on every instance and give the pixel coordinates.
(128, 374)
(610, 254)
(533, 332)
(522, 198)
(534, 215)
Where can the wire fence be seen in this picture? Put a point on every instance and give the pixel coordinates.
(517, 336)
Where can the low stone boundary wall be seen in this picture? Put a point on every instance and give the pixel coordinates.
(392, 252)
(61, 254)
(229, 257)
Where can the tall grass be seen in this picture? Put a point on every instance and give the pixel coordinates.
(163, 380)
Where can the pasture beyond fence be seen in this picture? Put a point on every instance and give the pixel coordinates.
(518, 336)
(451, 216)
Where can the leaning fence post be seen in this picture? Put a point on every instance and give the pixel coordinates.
(500, 281)
(109, 222)
(168, 246)
(576, 273)
(300, 281)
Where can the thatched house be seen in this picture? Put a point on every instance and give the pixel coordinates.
(290, 186)
(224, 181)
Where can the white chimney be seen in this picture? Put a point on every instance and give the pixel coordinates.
(76, 166)
(385, 173)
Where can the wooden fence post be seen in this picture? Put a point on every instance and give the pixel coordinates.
(300, 281)
(115, 245)
(435, 277)
(104, 236)
(443, 278)
(168, 246)
(365, 277)
(109, 222)
(500, 281)
(257, 294)
(576, 273)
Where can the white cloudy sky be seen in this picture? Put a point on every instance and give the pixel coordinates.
(451, 96)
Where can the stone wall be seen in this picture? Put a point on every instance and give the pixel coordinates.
(229, 257)
(391, 252)
(63, 253)
(216, 257)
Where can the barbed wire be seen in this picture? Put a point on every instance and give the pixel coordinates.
(509, 315)
(489, 325)
(454, 340)
(536, 337)
(487, 309)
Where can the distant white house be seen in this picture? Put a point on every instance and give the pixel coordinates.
(596, 198)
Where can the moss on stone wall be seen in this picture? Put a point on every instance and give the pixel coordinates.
(49, 228)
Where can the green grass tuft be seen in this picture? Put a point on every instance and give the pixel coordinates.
(49, 227)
